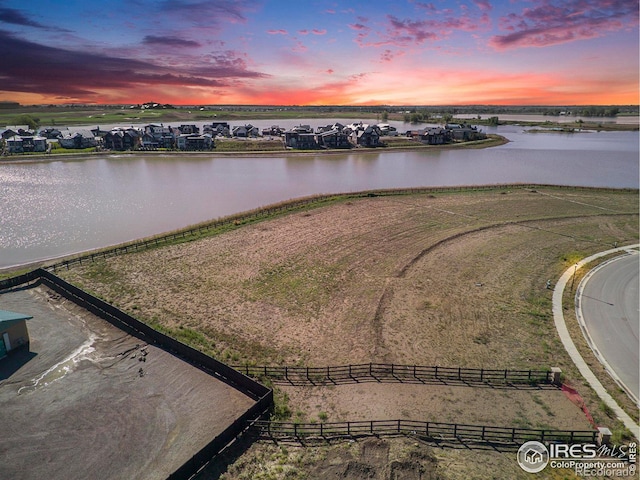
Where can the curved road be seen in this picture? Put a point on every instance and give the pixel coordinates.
(608, 308)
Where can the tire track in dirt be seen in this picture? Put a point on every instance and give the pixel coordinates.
(379, 350)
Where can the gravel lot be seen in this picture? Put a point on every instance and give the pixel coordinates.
(90, 401)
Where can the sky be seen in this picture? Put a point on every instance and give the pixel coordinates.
(307, 52)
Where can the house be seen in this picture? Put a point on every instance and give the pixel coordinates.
(464, 132)
(434, 136)
(123, 139)
(78, 139)
(273, 131)
(195, 142)
(22, 144)
(13, 130)
(14, 144)
(303, 129)
(328, 128)
(158, 136)
(300, 140)
(369, 136)
(188, 129)
(245, 131)
(51, 133)
(13, 331)
(217, 128)
(387, 130)
(333, 139)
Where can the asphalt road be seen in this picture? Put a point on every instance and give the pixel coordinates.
(610, 311)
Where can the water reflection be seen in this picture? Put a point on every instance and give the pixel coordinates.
(53, 208)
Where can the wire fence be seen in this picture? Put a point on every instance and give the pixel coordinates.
(435, 431)
(268, 211)
(389, 372)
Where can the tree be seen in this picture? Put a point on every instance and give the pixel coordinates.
(25, 119)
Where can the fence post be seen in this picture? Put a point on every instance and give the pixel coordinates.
(398, 425)
(513, 434)
(295, 430)
(436, 373)
(481, 374)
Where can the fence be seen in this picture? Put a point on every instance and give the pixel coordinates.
(123, 321)
(383, 372)
(283, 207)
(427, 430)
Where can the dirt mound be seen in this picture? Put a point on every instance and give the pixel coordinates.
(374, 462)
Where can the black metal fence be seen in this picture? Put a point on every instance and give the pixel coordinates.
(388, 372)
(123, 321)
(435, 431)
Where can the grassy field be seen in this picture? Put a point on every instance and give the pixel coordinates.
(450, 279)
(61, 116)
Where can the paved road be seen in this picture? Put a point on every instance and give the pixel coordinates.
(610, 311)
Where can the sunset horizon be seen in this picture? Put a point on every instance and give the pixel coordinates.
(440, 53)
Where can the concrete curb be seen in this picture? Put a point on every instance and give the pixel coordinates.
(570, 347)
(585, 330)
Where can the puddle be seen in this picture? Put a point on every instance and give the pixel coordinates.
(61, 369)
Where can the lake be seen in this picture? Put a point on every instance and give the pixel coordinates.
(53, 208)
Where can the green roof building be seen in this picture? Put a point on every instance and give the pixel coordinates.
(13, 331)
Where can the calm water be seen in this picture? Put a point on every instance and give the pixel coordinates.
(48, 209)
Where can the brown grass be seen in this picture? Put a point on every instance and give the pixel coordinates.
(445, 279)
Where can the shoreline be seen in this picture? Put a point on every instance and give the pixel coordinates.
(238, 219)
(492, 140)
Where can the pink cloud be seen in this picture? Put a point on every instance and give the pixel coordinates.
(550, 23)
(358, 27)
(315, 31)
(433, 26)
(277, 32)
(483, 5)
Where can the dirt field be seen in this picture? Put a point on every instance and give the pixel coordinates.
(81, 403)
(444, 279)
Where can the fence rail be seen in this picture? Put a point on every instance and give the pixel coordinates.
(428, 430)
(262, 395)
(383, 372)
(287, 206)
